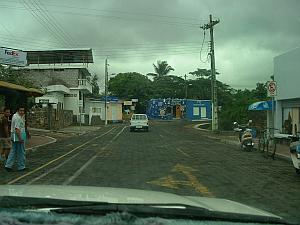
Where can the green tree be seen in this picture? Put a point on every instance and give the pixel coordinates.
(132, 85)
(161, 69)
(95, 86)
(168, 87)
(202, 73)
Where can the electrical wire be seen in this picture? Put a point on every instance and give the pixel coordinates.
(56, 23)
(39, 20)
(165, 22)
(200, 55)
(47, 21)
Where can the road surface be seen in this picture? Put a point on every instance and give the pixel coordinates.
(172, 157)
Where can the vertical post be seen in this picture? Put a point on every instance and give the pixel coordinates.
(185, 86)
(213, 76)
(273, 117)
(105, 84)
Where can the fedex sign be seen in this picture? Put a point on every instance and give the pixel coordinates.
(12, 53)
(12, 57)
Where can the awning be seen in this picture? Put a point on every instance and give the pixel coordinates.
(260, 106)
(28, 91)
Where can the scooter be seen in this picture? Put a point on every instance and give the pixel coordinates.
(295, 152)
(245, 136)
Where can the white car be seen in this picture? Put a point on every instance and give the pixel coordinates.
(139, 122)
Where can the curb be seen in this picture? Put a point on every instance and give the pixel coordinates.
(34, 148)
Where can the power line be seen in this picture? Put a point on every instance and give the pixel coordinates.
(202, 49)
(39, 20)
(122, 12)
(56, 22)
(165, 22)
(47, 21)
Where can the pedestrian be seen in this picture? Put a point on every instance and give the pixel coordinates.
(18, 138)
(5, 124)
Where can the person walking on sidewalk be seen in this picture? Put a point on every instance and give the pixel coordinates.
(18, 138)
(5, 134)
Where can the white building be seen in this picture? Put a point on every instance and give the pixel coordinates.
(287, 75)
(64, 75)
(66, 87)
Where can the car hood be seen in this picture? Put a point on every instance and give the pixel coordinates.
(127, 196)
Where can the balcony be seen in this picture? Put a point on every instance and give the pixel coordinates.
(85, 86)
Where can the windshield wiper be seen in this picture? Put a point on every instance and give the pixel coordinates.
(31, 202)
(168, 211)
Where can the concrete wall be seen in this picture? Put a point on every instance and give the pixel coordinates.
(43, 78)
(49, 118)
(287, 74)
(72, 101)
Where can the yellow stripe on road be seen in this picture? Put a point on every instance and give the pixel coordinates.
(191, 181)
(54, 160)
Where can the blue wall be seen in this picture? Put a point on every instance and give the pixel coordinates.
(163, 108)
(198, 109)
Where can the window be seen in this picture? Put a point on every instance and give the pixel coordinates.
(196, 111)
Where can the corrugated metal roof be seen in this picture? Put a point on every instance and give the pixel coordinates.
(30, 91)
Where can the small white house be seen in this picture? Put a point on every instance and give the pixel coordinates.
(96, 110)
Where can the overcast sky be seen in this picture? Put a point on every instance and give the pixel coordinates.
(136, 33)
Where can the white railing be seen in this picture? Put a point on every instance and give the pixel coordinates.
(85, 84)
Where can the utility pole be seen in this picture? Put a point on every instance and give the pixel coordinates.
(214, 96)
(185, 86)
(105, 84)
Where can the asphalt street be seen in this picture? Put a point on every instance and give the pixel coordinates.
(171, 157)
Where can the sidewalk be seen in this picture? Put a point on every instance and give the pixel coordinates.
(72, 130)
(42, 137)
(282, 151)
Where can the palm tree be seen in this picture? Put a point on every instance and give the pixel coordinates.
(161, 69)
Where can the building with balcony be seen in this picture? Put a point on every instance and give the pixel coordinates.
(65, 77)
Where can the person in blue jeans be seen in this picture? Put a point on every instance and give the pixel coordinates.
(18, 138)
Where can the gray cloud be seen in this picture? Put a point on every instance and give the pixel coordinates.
(249, 35)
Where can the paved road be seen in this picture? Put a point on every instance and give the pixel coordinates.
(172, 157)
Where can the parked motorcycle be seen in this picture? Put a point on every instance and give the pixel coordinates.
(295, 152)
(245, 136)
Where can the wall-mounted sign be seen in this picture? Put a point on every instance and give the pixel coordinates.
(12, 57)
(134, 100)
(127, 102)
(71, 95)
(44, 101)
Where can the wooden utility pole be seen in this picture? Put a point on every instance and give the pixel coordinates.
(105, 84)
(214, 96)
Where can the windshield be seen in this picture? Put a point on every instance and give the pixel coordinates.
(152, 102)
(139, 117)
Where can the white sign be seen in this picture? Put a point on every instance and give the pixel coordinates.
(127, 102)
(134, 100)
(13, 57)
(272, 88)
